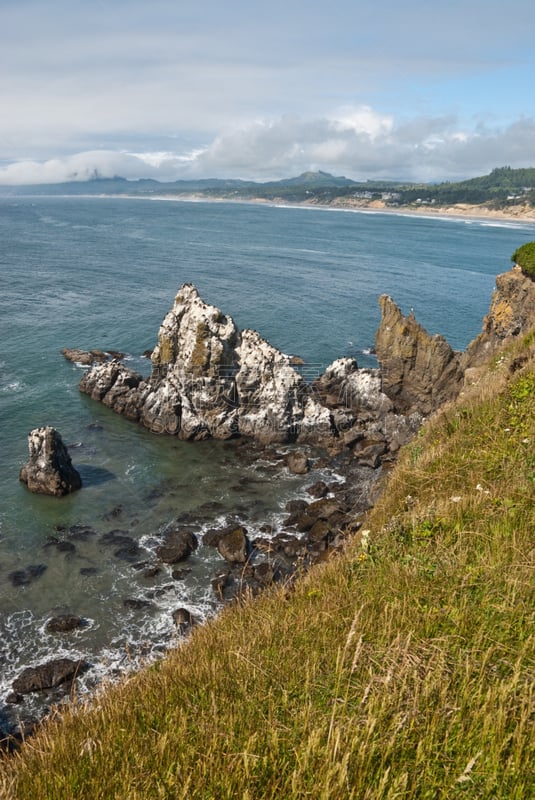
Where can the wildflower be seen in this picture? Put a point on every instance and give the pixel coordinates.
(365, 541)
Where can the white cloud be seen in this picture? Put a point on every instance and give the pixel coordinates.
(78, 167)
(357, 142)
(363, 120)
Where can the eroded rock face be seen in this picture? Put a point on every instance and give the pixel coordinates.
(419, 372)
(211, 380)
(511, 313)
(49, 469)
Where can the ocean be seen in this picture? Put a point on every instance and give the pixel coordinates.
(102, 273)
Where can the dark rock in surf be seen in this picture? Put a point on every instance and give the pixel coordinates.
(85, 357)
(136, 603)
(49, 675)
(297, 463)
(64, 623)
(183, 619)
(233, 545)
(177, 545)
(49, 469)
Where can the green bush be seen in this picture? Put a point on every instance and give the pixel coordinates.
(525, 258)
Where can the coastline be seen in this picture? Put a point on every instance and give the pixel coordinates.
(518, 213)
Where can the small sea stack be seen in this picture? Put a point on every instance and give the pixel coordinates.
(49, 469)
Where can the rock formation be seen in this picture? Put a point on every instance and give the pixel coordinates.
(49, 469)
(419, 372)
(211, 380)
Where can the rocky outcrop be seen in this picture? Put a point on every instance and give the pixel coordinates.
(511, 313)
(49, 469)
(419, 372)
(211, 380)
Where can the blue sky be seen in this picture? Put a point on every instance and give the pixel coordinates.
(369, 89)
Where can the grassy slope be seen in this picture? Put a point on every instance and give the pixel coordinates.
(403, 668)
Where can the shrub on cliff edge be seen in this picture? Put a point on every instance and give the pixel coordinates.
(525, 258)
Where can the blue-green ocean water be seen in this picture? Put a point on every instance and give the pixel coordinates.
(103, 272)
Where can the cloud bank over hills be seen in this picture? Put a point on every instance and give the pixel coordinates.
(358, 143)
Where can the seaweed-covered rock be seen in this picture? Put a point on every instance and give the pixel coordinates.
(233, 545)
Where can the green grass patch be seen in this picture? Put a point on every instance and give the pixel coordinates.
(524, 256)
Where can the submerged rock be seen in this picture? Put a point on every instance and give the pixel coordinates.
(49, 469)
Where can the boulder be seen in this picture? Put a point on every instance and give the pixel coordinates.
(49, 675)
(183, 619)
(49, 469)
(233, 545)
(297, 463)
(177, 545)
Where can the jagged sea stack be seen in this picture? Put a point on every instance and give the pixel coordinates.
(49, 469)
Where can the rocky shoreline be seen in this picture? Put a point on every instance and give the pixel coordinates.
(209, 379)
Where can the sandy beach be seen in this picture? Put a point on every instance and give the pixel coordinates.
(517, 213)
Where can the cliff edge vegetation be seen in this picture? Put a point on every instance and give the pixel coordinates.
(401, 668)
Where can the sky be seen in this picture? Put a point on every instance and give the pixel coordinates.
(417, 90)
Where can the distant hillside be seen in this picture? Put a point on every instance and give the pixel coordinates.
(501, 187)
